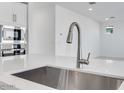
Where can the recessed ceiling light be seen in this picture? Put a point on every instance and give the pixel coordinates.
(90, 9)
(106, 18)
(91, 4)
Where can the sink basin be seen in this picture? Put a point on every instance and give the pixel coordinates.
(69, 80)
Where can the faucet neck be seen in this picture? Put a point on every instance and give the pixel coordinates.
(79, 43)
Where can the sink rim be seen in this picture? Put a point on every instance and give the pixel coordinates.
(75, 69)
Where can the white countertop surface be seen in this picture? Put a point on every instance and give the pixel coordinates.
(14, 64)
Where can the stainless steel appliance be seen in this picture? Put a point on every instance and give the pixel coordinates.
(12, 40)
(12, 32)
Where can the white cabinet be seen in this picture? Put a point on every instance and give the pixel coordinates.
(20, 14)
(13, 14)
(6, 13)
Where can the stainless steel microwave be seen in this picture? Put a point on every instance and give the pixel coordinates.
(12, 32)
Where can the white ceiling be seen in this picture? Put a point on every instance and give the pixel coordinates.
(101, 10)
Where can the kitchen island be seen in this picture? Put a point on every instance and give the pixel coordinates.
(20, 63)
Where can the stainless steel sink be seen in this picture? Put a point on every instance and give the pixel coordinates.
(67, 79)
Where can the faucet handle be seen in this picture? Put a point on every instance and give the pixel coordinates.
(88, 56)
(84, 61)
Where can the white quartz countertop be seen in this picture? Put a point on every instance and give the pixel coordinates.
(14, 64)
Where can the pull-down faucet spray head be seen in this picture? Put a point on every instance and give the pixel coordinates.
(70, 37)
(70, 33)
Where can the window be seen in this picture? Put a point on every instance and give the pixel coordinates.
(109, 30)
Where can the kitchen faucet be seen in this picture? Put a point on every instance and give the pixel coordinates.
(69, 40)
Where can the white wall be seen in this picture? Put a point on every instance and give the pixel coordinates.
(113, 45)
(89, 33)
(41, 28)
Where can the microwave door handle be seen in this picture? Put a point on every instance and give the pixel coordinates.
(13, 17)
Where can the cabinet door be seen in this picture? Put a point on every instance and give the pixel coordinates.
(20, 12)
(6, 13)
